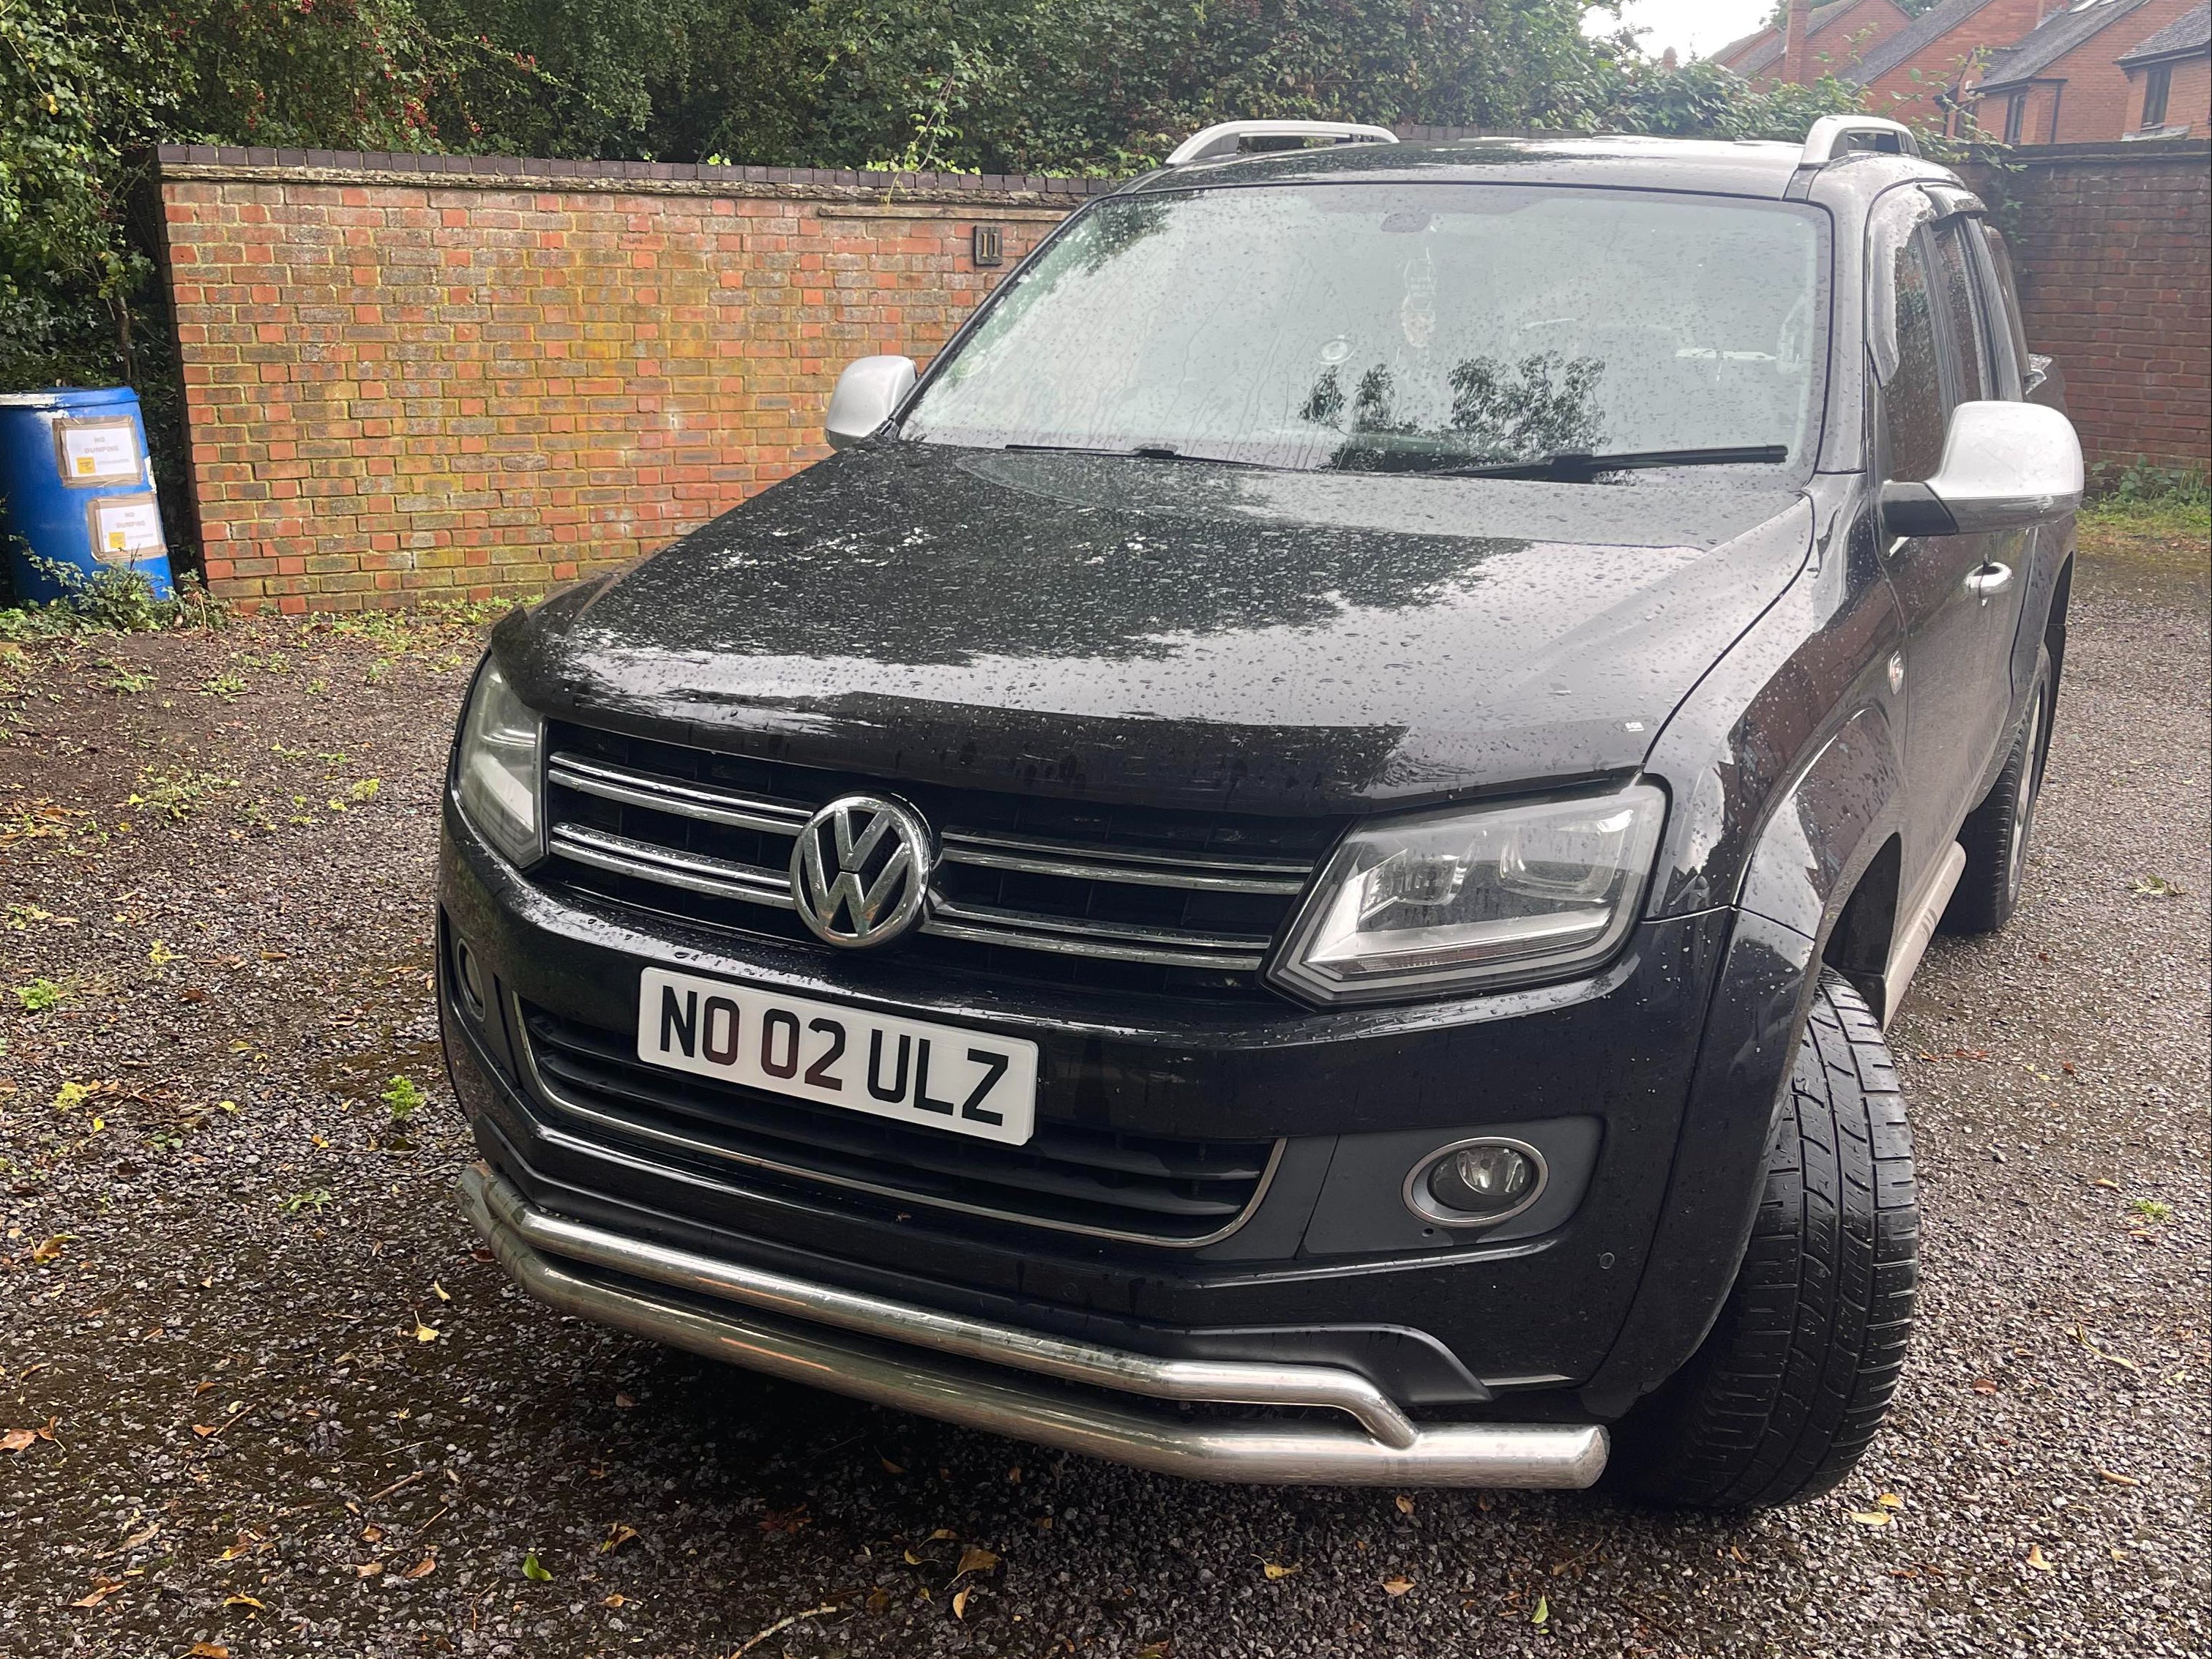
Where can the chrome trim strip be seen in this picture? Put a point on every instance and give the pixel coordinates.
(1093, 864)
(1224, 865)
(890, 1353)
(1093, 946)
(1919, 928)
(664, 794)
(618, 1124)
(1237, 946)
(693, 870)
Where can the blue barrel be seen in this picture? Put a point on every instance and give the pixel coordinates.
(77, 485)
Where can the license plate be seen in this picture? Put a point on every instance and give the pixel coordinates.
(972, 1083)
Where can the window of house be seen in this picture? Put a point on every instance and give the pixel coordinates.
(2015, 116)
(2158, 82)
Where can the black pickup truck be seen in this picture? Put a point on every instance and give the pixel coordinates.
(1290, 866)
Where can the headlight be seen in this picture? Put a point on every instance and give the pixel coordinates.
(1474, 896)
(496, 770)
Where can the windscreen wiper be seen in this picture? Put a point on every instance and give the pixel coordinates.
(1139, 451)
(1572, 466)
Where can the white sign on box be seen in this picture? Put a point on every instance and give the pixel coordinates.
(125, 528)
(100, 452)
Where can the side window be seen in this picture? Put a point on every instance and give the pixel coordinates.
(1958, 313)
(1915, 406)
(2004, 310)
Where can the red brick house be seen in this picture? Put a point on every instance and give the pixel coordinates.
(1837, 36)
(2064, 82)
(2170, 79)
(1922, 74)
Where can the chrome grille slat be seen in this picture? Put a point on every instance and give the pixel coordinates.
(1092, 944)
(1199, 874)
(622, 856)
(619, 783)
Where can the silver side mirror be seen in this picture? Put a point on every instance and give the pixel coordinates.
(2006, 467)
(868, 391)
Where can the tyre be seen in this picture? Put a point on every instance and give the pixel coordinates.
(1994, 834)
(1796, 1374)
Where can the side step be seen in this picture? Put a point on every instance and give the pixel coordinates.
(1008, 1380)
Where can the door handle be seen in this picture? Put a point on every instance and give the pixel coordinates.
(1987, 581)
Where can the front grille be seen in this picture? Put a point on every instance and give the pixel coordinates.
(1124, 897)
(1143, 1188)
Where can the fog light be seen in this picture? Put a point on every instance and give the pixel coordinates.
(1476, 1183)
(473, 994)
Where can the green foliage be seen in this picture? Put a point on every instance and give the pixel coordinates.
(402, 1097)
(1702, 98)
(2140, 487)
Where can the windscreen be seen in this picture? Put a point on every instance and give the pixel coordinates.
(1417, 327)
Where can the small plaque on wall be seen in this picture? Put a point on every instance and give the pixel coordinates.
(987, 247)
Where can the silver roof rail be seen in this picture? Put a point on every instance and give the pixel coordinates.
(1227, 138)
(1833, 136)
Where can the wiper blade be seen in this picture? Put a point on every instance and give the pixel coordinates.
(1136, 451)
(1572, 466)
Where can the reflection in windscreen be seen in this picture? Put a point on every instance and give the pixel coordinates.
(1366, 326)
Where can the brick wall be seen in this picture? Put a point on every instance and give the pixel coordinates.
(413, 375)
(2114, 247)
(408, 376)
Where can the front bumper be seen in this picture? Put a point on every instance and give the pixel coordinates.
(1440, 1324)
(1007, 1380)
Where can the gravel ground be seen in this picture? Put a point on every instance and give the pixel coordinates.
(281, 1405)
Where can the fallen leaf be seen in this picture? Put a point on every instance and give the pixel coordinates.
(426, 1332)
(207, 1651)
(2113, 1477)
(790, 1521)
(1871, 1517)
(2107, 1183)
(1397, 1586)
(372, 1534)
(1983, 1385)
(1889, 1500)
(137, 1538)
(102, 1589)
(623, 1402)
(1153, 1650)
(421, 1569)
(206, 1387)
(2157, 887)
(369, 1570)
(245, 1601)
(441, 1292)
(936, 1537)
(960, 1602)
(1274, 1570)
(891, 1467)
(48, 1249)
(975, 1559)
(534, 1570)
(17, 1440)
(617, 1599)
(617, 1535)
(2036, 1559)
(1543, 1613)
(1405, 1503)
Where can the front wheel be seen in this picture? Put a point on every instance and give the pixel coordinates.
(1796, 1374)
(1995, 835)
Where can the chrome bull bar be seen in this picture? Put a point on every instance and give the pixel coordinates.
(1006, 1380)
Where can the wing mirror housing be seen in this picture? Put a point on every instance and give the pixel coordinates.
(2006, 467)
(867, 393)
